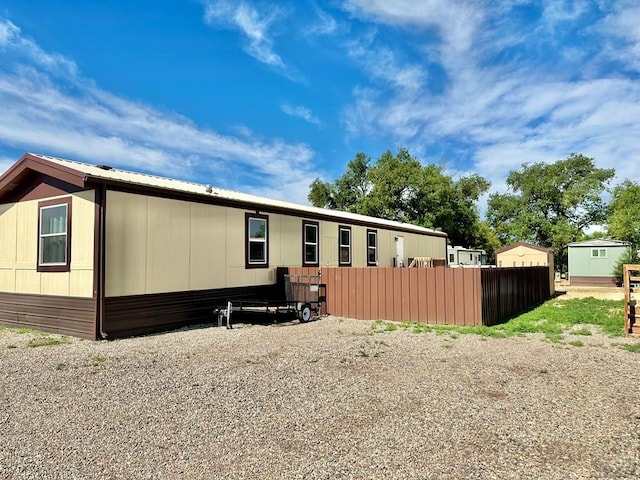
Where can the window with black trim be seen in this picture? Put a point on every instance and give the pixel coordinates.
(54, 235)
(257, 240)
(372, 247)
(344, 245)
(599, 253)
(310, 243)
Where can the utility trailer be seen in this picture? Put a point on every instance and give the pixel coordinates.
(301, 297)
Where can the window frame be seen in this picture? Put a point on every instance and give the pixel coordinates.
(61, 266)
(345, 228)
(599, 252)
(247, 243)
(305, 243)
(374, 247)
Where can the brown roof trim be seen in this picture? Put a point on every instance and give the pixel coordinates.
(28, 164)
(522, 244)
(255, 207)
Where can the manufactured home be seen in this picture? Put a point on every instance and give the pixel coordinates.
(461, 256)
(591, 262)
(97, 252)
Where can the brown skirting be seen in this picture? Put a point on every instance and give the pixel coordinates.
(141, 314)
(64, 315)
(608, 281)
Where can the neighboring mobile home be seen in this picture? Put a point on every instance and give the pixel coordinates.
(96, 252)
(591, 262)
(460, 256)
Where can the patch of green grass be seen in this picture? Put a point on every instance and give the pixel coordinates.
(23, 330)
(46, 341)
(553, 318)
(581, 331)
(629, 347)
(98, 360)
(61, 366)
(576, 343)
(12, 346)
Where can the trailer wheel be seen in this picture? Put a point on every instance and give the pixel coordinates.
(304, 314)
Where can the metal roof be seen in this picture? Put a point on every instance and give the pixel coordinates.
(599, 242)
(106, 173)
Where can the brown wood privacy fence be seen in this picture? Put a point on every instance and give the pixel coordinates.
(440, 295)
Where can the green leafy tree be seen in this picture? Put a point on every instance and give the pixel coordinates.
(550, 204)
(487, 240)
(630, 256)
(399, 187)
(623, 222)
(348, 192)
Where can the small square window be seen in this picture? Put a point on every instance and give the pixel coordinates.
(598, 252)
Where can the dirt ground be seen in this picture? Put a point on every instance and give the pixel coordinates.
(604, 293)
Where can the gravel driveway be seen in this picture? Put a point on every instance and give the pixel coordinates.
(329, 399)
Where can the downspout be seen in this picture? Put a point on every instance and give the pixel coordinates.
(100, 263)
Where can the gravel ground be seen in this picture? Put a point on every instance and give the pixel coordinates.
(328, 399)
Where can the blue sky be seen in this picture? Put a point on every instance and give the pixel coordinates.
(263, 97)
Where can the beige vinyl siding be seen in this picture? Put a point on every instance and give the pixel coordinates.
(156, 245)
(19, 249)
(522, 255)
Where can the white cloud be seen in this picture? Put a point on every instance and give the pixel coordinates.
(621, 26)
(302, 112)
(40, 114)
(496, 114)
(455, 22)
(254, 25)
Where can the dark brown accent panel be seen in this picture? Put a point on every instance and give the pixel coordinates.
(64, 315)
(141, 314)
(593, 281)
(23, 180)
(39, 186)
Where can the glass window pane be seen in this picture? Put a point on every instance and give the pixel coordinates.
(310, 254)
(257, 252)
(372, 255)
(603, 253)
(311, 234)
(371, 240)
(345, 237)
(54, 249)
(53, 220)
(345, 254)
(257, 228)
